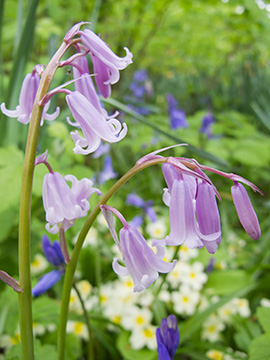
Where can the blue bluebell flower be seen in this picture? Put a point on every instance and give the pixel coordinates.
(206, 125)
(107, 173)
(55, 257)
(177, 116)
(167, 338)
(146, 206)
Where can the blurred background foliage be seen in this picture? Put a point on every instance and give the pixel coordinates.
(212, 56)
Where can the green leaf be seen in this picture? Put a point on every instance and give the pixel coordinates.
(260, 348)
(263, 314)
(227, 281)
(11, 162)
(45, 310)
(45, 352)
(130, 354)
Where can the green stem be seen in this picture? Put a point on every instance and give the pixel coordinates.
(71, 267)
(90, 355)
(25, 298)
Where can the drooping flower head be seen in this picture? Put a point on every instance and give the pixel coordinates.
(141, 262)
(106, 63)
(95, 125)
(26, 101)
(167, 338)
(54, 255)
(64, 204)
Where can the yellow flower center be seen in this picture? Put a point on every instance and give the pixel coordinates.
(148, 333)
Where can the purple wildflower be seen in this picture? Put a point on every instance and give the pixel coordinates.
(183, 191)
(206, 125)
(106, 63)
(177, 116)
(54, 255)
(103, 149)
(141, 262)
(245, 211)
(146, 206)
(95, 125)
(140, 75)
(167, 338)
(26, 101)
(137, 90)
(64, 204)
(107, 173)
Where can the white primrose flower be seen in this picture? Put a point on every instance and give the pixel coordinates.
(265, 302)
(84, 288)
(39, 264)
(226, 311)
(77, 328)
(212, 328)
(186, 253)
(74, 302)
(242, 307)
(157, 229)
(185, 300)
(177, 274)
(195, 276)
(137, 318)
(144, 337)
(215, 355)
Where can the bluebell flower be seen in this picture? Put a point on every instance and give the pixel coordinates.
(177, 116)
(167, 338)
(206, 125)
(55, 257)
(140, 75)
(107, 173)
(146, 206)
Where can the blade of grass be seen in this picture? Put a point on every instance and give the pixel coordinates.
(203, 154)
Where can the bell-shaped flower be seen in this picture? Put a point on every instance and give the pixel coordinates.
(142, 263)
(106, 63)
(26, 101)
(54, 255)
(64, 204)
(208, 214)
(181, 197)
(245, 211)
(93, 123)
(167, 338)
(107, 172)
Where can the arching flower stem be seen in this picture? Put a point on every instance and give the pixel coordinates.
(25, 297)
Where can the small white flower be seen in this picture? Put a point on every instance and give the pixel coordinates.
(195, 277)
(39, 264)
(177, 274)
(185, 300)
(212, 328)
(265, 302)
(226, 311)
(77, 328)
(157, 229)
(84, 288)
(74, 302)
(186, 253)
(144, 337)
(38, 329)
(215, 355)
(137, 318)
(242, 307)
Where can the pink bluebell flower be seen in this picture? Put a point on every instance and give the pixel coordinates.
(95, 125)
(245, 211)
(26, 101)
(54, 255)
(141, 262)
(167, 338)
(106, 63)
(182, 195)
(64, 204)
